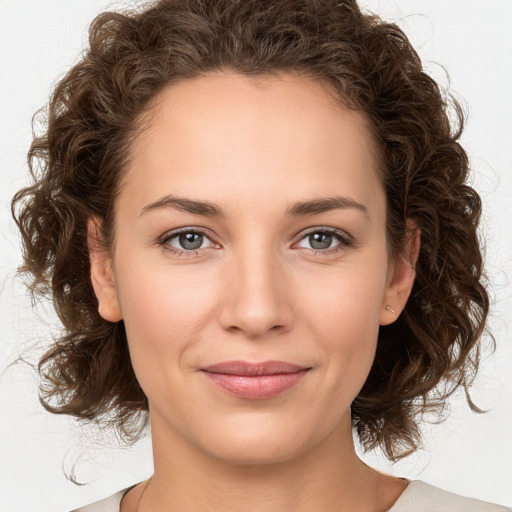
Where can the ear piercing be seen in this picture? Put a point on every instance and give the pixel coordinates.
(389, 308)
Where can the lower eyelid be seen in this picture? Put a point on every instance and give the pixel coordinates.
(172, 235)
(344, 240)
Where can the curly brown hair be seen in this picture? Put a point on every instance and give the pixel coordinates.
(93, 116)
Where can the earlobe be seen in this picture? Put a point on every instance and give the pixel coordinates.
(102, 275)
(401, 279)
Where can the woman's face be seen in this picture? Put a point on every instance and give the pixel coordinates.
(250, 265)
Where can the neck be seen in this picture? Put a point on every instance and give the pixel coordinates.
(329, 476)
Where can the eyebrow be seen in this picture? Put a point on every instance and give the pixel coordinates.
(322, 205)
(186, 205)
(208, 209)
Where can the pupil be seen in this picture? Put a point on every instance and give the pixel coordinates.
(320, 240)
(191, 241)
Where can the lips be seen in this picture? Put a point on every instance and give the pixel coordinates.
(254, 381)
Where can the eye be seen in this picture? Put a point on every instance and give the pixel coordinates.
(189, 240)
(325, 240)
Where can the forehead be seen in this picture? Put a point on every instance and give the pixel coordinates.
(225, 134)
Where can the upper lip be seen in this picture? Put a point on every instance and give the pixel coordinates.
(247, 368)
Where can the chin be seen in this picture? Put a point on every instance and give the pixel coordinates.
(250, 445)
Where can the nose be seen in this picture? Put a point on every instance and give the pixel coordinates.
(256, 299)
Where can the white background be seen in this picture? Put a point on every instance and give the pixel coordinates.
(468, 454)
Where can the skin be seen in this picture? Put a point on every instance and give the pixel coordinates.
(257, 289)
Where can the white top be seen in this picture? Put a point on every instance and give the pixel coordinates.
(417, 497)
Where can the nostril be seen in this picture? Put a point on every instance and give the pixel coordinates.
(253, 301)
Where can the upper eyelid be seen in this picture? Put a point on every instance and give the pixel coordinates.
(187, 229)
(299, 236)
(304, 232)
(165, 240)
(324, 229)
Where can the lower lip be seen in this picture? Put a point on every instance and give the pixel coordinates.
(255, 387)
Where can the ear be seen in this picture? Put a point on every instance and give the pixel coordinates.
(401, 276)
(102, 274)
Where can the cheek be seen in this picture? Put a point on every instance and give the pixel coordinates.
(342, 312)
(165, 311)
(343, 300)
(168, 299)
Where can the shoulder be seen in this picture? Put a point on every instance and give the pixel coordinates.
(422, 497)
(110, 504)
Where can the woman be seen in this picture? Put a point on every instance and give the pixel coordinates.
(254, 221)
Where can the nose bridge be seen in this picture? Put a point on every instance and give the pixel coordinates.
(255, 298)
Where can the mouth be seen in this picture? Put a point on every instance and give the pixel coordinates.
(254, 381)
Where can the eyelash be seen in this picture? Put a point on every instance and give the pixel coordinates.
(164, 242)
(345, 240)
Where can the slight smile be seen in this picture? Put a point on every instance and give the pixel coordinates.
(255, 381)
